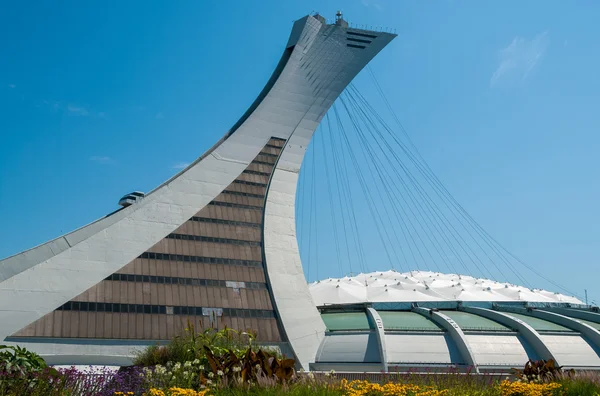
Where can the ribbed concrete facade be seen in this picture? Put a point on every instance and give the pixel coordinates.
(216, 244)
(208, 272)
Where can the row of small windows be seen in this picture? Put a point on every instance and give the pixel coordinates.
(361, 34)
(227, 222)
(268, 154)
(273, 146)
(243, 194)
(251, 172)
(172, 280)
(83, 306)
(249, 183)
(358, 40)
(200, 238)
(234, 205)
(263, 163)
(199, 259)
(356, 46)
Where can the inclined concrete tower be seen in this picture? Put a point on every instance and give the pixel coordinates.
(215, 244)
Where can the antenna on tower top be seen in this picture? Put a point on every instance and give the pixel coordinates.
(339, 20)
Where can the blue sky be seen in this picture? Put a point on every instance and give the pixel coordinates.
(101, 98)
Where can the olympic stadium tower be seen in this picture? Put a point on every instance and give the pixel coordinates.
(216, 245)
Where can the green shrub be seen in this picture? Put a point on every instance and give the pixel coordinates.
(191, 345)
(14, 359)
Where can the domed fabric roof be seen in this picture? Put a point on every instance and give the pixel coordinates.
(424, 286)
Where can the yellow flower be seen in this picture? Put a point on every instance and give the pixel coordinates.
(187, 392)
(508, 388)
(155, 392)
(361, 388)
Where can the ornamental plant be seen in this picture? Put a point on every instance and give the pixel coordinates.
(20, 360)
(540, 370)
(190, 346)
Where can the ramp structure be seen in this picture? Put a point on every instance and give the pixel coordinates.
(215, 245)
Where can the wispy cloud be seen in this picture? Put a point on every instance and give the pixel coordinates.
(160, 115)
(12, 86)
(371, 3)
(102, 159)
(180, 165)
(72, 109)
(77, 110)
(519, 58)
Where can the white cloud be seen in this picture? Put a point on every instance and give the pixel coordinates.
(160, 115)
(101, 159)
(12, 86)
(519, 58)
(180, 165)
(77, 110)
(371, 3)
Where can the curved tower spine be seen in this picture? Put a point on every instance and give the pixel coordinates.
(216, 243)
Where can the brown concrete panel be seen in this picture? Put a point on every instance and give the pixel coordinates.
(210, 297)
(221, 297)
(123, 325)
(202, 270)
(195, 295)
(253, 178)
(67, 328)
(162, 321)
(221, 271)
(276, 142)
(132, 322)
(108, 325)
(204, 296)
(154, 294)
(57, 324)
(155, 331)
(139, 326)
(169, 295)
(170, 326)
(270, 150)
(131, 292)
(139, 293)
(147, 327)
(146, 295)
(116, 325)
(234, 323)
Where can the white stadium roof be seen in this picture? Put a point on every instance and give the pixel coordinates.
(424, 286)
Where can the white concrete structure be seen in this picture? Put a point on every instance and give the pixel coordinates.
(319, 61)
(440, 321)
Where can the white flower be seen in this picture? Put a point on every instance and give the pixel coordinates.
(210, 375)
(177, 366)
(219, 372)
(209, 382)
(201, 367)
(196, 361)
(187, 364)
(237, 369)
(186, 373)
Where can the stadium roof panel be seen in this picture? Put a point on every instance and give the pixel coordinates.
(425, 286)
